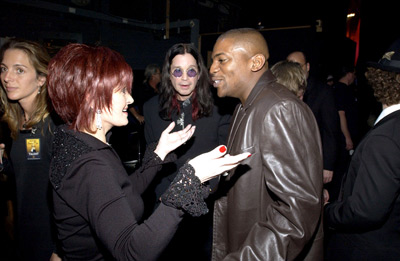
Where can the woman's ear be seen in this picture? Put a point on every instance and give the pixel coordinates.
(258, 62)
(90, 102)
(41, 80)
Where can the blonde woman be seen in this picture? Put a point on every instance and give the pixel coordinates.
(26, 110)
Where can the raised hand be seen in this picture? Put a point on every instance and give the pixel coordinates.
(170, 141)
(210, 164)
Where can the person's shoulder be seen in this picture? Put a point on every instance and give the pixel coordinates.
(151, 110)
(339, 86)
(322, 89)
(276, 95)
(276, 91)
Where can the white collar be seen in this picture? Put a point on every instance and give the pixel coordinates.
(387, 111)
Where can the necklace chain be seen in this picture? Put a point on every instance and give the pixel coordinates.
(25, 120)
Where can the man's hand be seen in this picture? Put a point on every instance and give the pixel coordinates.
(326, 196)
(327, 174)
(349, 144)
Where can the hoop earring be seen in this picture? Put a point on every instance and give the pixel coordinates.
(99, 125)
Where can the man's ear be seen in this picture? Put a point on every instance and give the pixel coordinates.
(258, 62)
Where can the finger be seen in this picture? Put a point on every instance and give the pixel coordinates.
(229, 162)
(170, 127)
(224, 168)
(191, 131)
(183, 138)
(185, 131)
(187, 128)
(219, 171)
(186, 135)
(219, 151)
(227, 167)
(229, 159)
(216, 153)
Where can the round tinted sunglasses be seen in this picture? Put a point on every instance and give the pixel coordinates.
(177, 73)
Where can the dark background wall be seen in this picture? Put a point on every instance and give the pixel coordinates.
(287, 26)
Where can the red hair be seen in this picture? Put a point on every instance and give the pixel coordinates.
(82, 79)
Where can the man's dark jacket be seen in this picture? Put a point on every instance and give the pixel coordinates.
(321, 99)
(367, 216)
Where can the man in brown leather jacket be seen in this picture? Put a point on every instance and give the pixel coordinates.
(270, 207)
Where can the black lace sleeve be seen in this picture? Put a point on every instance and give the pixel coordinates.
(186, 192)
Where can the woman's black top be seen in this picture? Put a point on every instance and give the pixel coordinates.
(98, 207)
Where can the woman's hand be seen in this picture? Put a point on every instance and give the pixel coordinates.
(170, 141)
(210, 164)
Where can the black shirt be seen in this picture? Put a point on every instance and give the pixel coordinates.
(98, 208)
(30, 157)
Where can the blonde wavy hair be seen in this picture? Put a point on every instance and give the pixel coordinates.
(291, 75)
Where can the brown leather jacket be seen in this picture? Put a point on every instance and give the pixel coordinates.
(271, 208)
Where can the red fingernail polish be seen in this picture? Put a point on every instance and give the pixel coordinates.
(222, 149)
(249, 156)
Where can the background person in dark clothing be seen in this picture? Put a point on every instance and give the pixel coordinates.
(185, 98)
(152, 78)
(320, 98)
(7, 199)
(346, 103)
(366, 217)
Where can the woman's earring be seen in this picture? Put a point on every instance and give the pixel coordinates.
(39, 89)
(99, 125)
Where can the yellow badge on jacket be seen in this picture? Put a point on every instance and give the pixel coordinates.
(33, 149)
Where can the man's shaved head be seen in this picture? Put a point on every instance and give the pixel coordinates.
(249, 39)
(240, 58)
